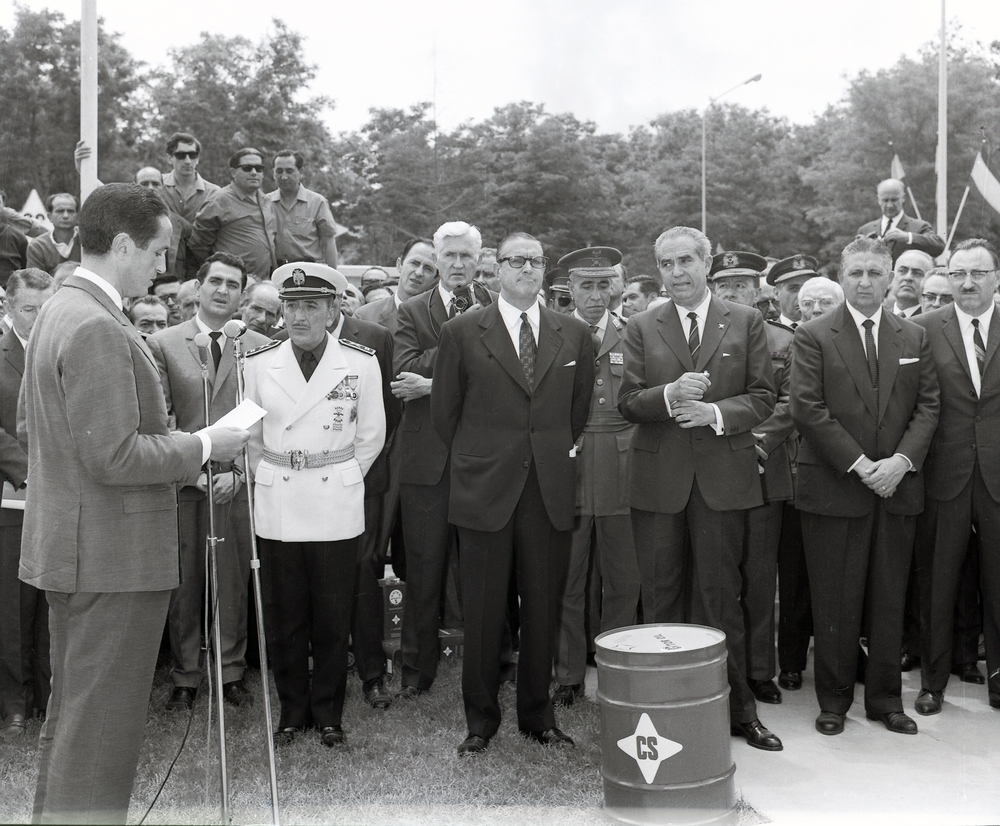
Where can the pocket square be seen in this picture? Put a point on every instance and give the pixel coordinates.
(571, 364)
(725, 354)
(908, 361)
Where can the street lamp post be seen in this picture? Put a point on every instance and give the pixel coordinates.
(704, 167)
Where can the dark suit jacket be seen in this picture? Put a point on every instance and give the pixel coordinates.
(384, 313)
(924, 237)
(665, 459)
(778, 430)
(834, 407)
(496, 427)
(101, 512)
(969, 427)
(13, 459)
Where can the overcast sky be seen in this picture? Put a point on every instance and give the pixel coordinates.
(617, 63)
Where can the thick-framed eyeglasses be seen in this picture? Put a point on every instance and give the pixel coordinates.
(975, 275)
(538, 262)
(938, 298)
(822, 303)
(186, 155)
(252, 167)
(564, 300)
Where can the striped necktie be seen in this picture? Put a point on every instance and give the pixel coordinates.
(979, 347)
(694, 340)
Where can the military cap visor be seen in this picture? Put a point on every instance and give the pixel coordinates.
(736, 263)
(794, 266)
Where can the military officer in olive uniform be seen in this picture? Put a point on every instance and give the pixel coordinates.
(325, 425)
(603, 518)
(735, 277)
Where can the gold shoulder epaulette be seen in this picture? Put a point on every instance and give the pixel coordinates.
(270, 345)
(356, 346)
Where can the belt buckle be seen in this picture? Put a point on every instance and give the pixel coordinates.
(297, 459)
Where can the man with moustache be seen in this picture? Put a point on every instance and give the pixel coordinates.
(511, 391)
(936, 291)
(305, 226)
(865, 400)
(697, 381)
(897, 230)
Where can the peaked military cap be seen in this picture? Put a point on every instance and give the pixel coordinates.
(592, 262)
(736, 263)
(298, 280)
(791, 267)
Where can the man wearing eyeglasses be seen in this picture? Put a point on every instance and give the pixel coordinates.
(936, 291)
(962, 470)
(184, 190)
(239, 218)
(511, 395)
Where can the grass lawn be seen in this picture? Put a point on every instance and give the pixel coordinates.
(400, 767)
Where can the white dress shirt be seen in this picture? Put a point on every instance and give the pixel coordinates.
(702, 312)
(512, 321)
(965, 325)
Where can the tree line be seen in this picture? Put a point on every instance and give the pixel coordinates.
(773, 187)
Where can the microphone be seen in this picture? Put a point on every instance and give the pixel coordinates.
(203, 340)
(234, 328)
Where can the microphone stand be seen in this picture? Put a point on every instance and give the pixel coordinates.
(235, 329)
(212, 541)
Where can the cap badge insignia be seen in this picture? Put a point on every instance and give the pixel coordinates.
(298, 277)
(799, 263)
(730, 259)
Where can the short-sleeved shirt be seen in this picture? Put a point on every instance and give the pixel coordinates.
(186, 208)
(301, 226)
(239, 224)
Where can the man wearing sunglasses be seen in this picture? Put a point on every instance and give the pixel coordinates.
(239, 218)
(184, 190)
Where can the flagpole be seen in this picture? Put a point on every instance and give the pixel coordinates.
(88, 95)
(913, 201)
(954, 226)
(942, 147)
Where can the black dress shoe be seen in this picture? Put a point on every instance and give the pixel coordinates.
(907, 662)
(829, 722)
(566, 695)
(895, 721)
(756, 735)
(994, 702)
(473, 744)
(792, 680)
(765, 691)
(181, 698)
(13, 726)
(969, 673)
(331, 736)
(376, 694)
(236, 694)
(928, 702)
(285, 736)
(550, 737)
(409, 692)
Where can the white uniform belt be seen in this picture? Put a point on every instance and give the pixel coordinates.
(299, 459)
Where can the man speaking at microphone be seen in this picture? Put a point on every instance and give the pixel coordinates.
(100, 518)
(180, 352)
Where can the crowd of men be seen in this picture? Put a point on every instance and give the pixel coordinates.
(548, 452)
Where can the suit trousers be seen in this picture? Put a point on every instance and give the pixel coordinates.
(695, 555)
(760, 572)
(12, 677)
(232, 527)
(946, 527)
(368, 618)
(794, 602)
(858, 565)
(308, 596)
(428, 537)
(538, 555)
(104, 649)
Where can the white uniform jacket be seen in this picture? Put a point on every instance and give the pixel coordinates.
(338, 410)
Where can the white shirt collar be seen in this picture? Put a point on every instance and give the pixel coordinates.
(601, 325)
(512, 315)
(965, 320)
(701, 310)
(24, 341)
(446, 296)
(203, 326)
(788, 322)
(905, 312)
(106, 286)
(860, 319)
(893, 222)
(397, 300)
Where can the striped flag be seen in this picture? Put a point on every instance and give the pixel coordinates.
(896, 168)
(986, 182)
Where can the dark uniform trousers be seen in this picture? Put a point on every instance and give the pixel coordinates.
(308, 596)
(760, 568)
(794, 602)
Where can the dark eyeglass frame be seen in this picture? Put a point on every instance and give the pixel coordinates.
(975, 275)
(538, 262)
(187, 155)
(564, 300)
(251, 167)
(944, 298)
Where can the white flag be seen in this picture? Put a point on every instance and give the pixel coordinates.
(896, 168)
(986, 182)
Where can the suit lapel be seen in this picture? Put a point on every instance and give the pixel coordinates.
(13, 351)
(716, 324)
(993, 339)
(550, 341)
(673, 334)
(328, 374)
(852, 351)
(497, 340)
(611, 337)
(439, 313)
(953, 335)
(225, 366)
(890, 348)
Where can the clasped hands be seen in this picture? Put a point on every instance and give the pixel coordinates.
(884, 475)
(686, 405)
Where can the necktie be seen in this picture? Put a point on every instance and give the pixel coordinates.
(694, 340)
(870, 351)
(216, 348)
(451, 309)
(308, 364)
(527, 351)
(979, 347)
(595, 334)
(795, 325)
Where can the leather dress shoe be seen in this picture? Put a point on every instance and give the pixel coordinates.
(792, 680)
(829, 722)
(566, 695)
(285, 736)
(969, 673)
(376, 694)
(409, 692)
(331, 736)
(550, 737)
(994, 702)
(13, 726)
(907, 662)
(928, 702)
(765, 691)
(181, 698)
(895, 721)
(236, 694)
(756, 735)
(473, 744)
